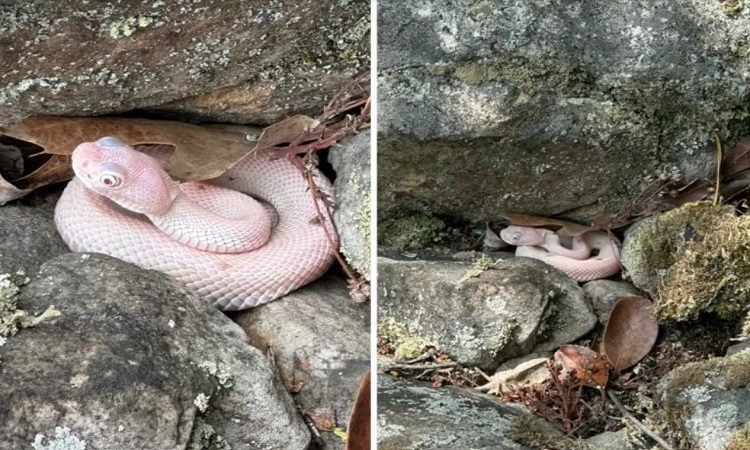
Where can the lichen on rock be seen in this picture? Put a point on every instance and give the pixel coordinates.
(698, 257)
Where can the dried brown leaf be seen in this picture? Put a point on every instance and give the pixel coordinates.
(358, 430)
(9, 192)
(297, 128)
(737, 158)
(562, 227)
(630, 333)
(200, 152)
(590, 369)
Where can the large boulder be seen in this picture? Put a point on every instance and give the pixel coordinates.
(479, 317)
(136, 361)
(211, 60)
(551, 107)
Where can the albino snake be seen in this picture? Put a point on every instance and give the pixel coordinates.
(577, 262)
(229, 248)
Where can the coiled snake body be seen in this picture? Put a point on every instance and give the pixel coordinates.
(220, 243)
(578, 262)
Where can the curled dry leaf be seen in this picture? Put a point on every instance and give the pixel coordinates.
(200, 152)
(562, 227)
(630, 333)
(533, 371)
(358, 430)
(590, 369)
(737, 158)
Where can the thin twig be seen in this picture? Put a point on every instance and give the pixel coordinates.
(717, 194)
(637, 423)
(420, 366)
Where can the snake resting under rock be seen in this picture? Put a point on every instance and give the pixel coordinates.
(591, 256)
(214, 236)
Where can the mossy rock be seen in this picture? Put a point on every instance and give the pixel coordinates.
(693, 259)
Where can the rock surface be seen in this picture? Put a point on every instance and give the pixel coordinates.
(507, 105)
(206, 60)
(321, 342)
(416, 416)
(520, 306)
(709, 399)
(29, 238)
(605, 293)
(129, 363)
(351, 162)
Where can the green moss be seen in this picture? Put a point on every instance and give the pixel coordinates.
(412, 232)
(204, 437)
(406, 345)
(740, 440)
(731, 372)
(703, 253)
(733, 7)
(483, 264)
(526, 430)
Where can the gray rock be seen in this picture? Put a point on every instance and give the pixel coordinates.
(520, 306)
(30, 238)
(711, 399)
(209, 61)
(416, 416)
(615, 440)
(736, 348)
(321, 342)
(605, 293)
(127, 362)
(351, 162)
(507, 105)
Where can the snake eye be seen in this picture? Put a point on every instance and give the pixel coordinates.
(109, 180)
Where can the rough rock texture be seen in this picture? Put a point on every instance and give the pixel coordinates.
(520, 306)
(29, 238)
(128, 362)
(507, 105)
(603, 295)
(709, 399)
(351, 162)
(615, 440)
(416, 416)
(321, 342)
(208, 60)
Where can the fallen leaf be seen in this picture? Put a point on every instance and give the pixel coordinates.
(200, 152)
(590, 368)
(737, 158)
(9, 192)
(630, 333)
(533, 371)
(298, 128)
(561, 227)
(359, 422)
(492, 240)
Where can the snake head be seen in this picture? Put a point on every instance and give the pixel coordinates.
(518, 235)
(132, 179)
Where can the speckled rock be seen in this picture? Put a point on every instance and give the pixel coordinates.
(320, 339)
(709, 399)
(617, 440)
(351, 162)
(208, 60)
(131, 362)
(520, 306)
(29, 238)
(416, 416)
(603, 295)
(508, 105)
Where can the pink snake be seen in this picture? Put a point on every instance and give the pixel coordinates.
(223, 244)
(577, 261)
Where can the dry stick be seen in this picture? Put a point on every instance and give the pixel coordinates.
(717, 195)
(637, 423)
(420, 366)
